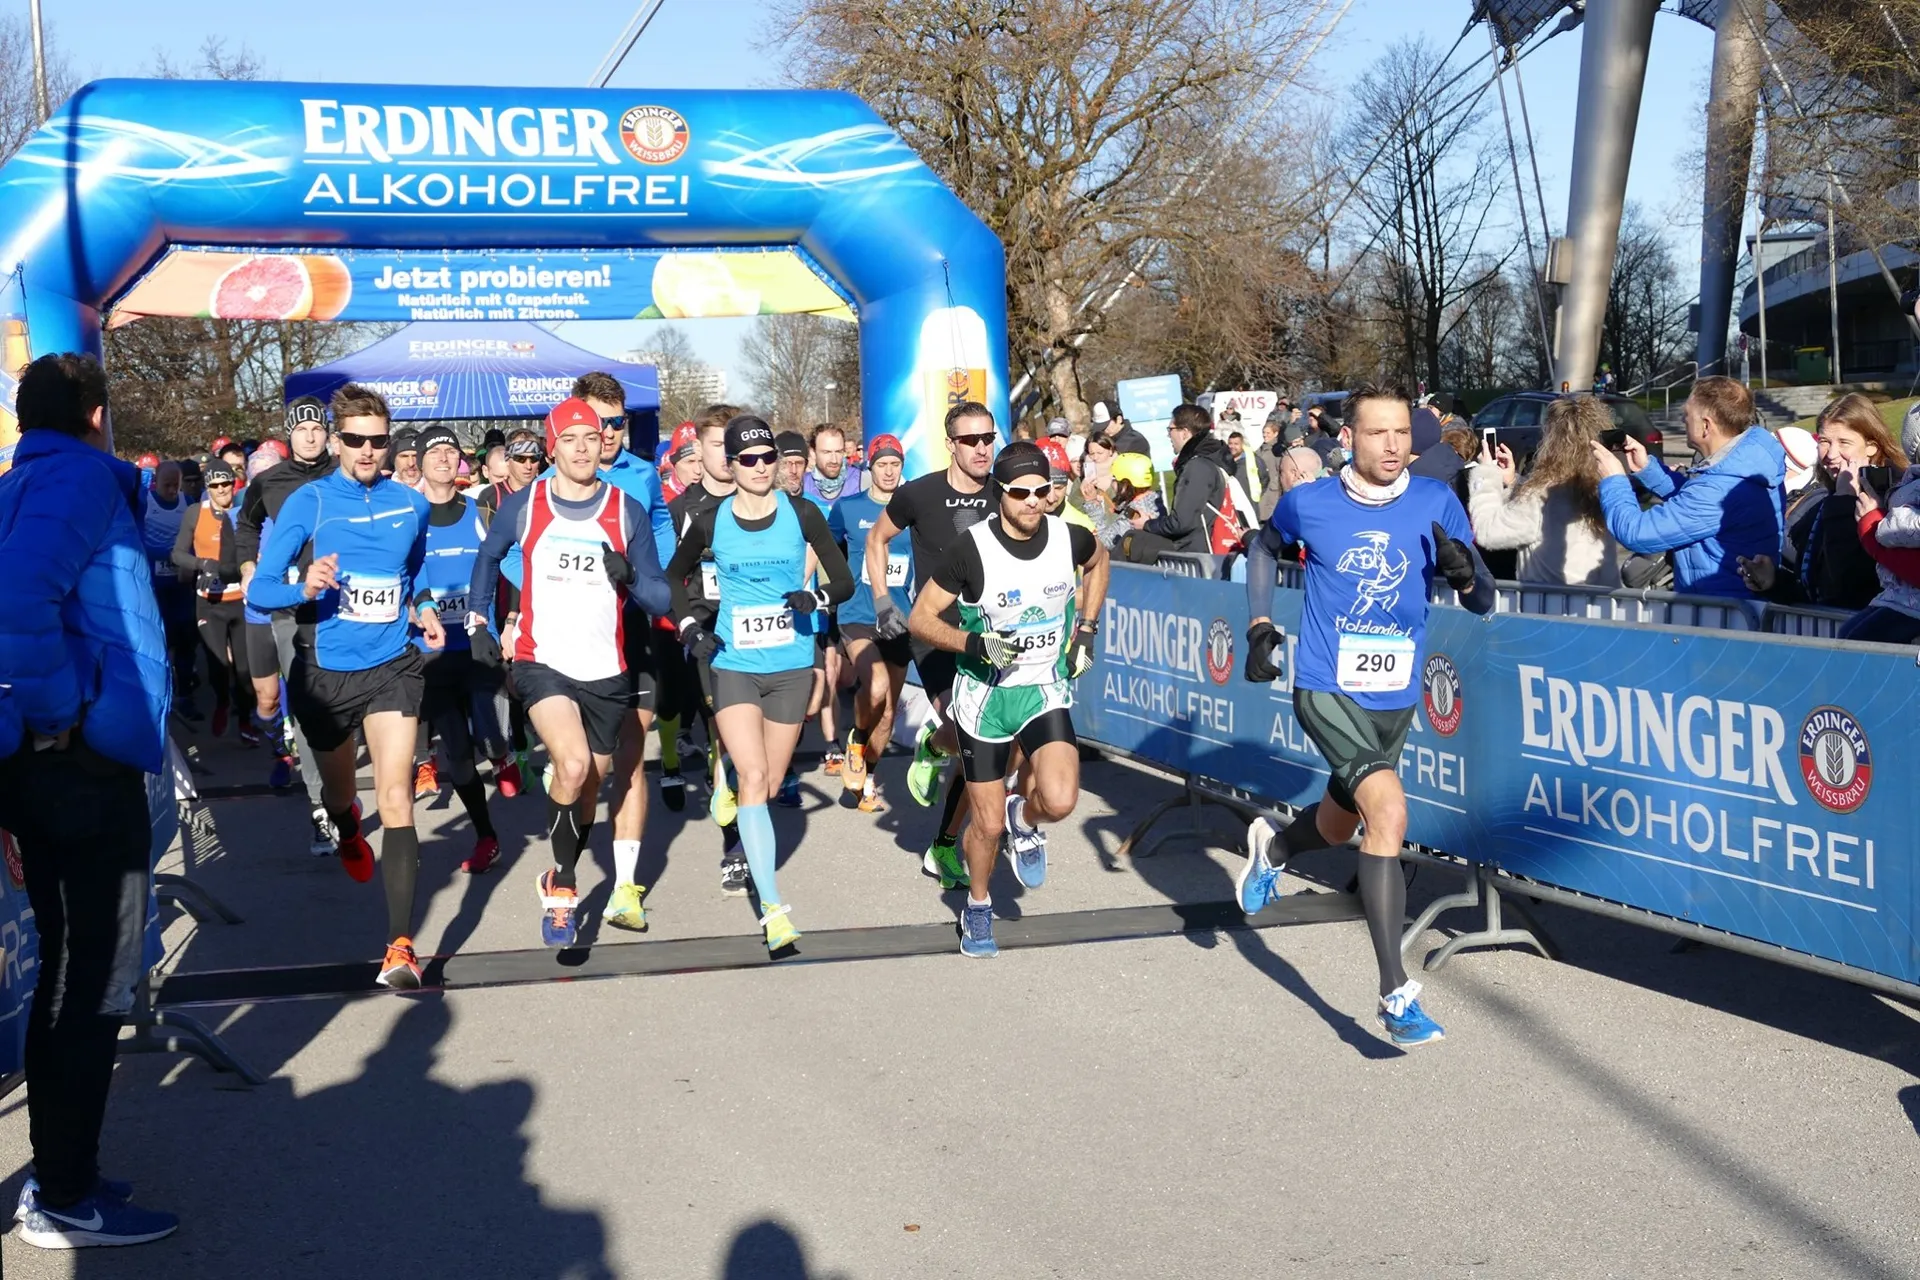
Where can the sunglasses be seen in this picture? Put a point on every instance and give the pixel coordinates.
(757, 459)
(980, 441)
(354, 440)
(219, 484)
(618, 423)
(1025, 493)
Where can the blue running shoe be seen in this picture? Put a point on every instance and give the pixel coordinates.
(976, 931)
(1258, 880)
(281, 777)
(788, 796)
(558, 905)
(1406, 1022)
(96, 1220)
(106, 1188)
(1026, 847)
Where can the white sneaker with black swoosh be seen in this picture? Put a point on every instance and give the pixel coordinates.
(95, 1222)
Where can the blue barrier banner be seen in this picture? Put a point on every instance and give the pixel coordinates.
(1728, 780)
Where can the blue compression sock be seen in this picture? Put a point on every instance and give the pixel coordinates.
(756, 840)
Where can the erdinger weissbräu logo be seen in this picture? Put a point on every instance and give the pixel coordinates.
(1835, 761)
(1220, 651)
(428, 387)
(1440, 684)
(654, 135)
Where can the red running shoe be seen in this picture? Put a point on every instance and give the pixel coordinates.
(356, 855)
(426, 780)
(486, 852)
(506, 776)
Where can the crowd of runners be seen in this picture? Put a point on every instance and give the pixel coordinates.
(357, 582)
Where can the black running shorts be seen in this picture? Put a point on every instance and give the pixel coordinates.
(637, 648)
(937, 669)
(782, 696)
(897, 652)
(603, 703)
(988, 761)
(263, 655)
(331, 705)
(1356, 742)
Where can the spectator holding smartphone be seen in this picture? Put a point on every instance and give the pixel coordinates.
(1553, 517)
(1891, 522)
(1725, 508)
(1822, 561)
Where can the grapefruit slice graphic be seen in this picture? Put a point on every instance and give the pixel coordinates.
(282, 286)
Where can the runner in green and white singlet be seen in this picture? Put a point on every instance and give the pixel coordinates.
(1028, 586)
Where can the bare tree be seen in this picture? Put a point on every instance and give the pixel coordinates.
(1426, 181)
(18, 115)
(1645, 329)
(1071, 128)
(682, 394)
(787, 357)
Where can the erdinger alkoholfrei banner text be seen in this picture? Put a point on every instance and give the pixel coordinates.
(127, 168)
(1727, 779)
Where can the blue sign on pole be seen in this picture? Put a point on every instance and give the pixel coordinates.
(1148, 403)
(1665, 769)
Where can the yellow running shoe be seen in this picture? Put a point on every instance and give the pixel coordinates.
(723, 808)
(780, 930)
(624, 909)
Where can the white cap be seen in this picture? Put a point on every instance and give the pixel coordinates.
(1076, 447)
(1100, 415)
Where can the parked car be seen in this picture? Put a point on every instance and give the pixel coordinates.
(1517, 420)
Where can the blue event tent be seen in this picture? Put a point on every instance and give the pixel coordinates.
(479, 370)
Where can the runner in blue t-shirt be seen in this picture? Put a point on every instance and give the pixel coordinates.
(363, 539)
(879, 662)
(767, 546)
(1375, 538)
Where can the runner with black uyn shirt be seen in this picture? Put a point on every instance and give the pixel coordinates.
(937, 509)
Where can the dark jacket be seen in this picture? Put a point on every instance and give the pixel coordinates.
(80, 636)
(1199, 486)
(261, 501)
(1127, 440)
(1824, 563)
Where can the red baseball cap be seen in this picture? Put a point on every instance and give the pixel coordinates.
(148, 462)
(571, 412)
(884, 447)
(1056, 451)
(219, 443)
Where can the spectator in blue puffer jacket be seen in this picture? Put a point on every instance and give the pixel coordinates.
(1725, 509)
(84, 693)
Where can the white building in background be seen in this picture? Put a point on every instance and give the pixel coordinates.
(702, 382)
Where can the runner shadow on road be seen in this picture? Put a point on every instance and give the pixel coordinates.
(392, 1172)
(768, 1250)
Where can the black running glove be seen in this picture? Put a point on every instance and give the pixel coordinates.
(484, 646)
(619, 568)
(1263, 641)
(1079, 654)
(700, 642)
(992, 648)
(1453, 558)
(888, 622)
(805, 602)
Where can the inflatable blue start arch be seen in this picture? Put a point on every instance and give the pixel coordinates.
(368, 202)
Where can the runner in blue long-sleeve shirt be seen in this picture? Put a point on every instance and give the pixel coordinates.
(364, 540)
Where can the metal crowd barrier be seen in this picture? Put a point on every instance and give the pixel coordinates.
(1805, 620)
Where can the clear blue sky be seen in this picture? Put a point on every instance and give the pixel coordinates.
(711, 44)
